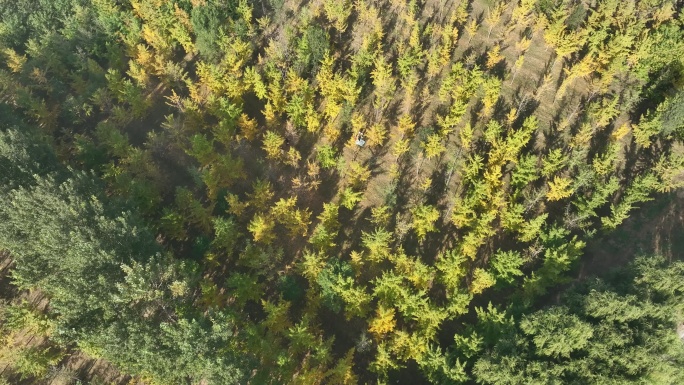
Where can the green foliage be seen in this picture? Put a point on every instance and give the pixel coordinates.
(245, 288)
(208, 22)
(226, 235)
(26, 18)
(555, 333)
(440, 369)
(22, 157)
(292, 290)
(35, 362)
(331, 281)
(323, 237)
(532, 228)
(673, 115)
(24, 317)
(66, 240)
(638, 191)
(506, 265)
(553, 162)
(613, 330)
(311, 48)
(327, 156)
(202, 149)
(377, 243)
(526, 171)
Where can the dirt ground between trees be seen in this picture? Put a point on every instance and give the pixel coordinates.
(655, 228)
(75, 365)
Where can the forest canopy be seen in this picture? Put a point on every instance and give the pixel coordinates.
(336, 191)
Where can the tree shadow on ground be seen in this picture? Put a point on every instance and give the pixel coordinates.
(656, 228)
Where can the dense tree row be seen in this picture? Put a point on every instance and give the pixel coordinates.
(113, 291)
(613, 330)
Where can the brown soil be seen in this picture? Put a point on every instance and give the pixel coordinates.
(655, 228)
(74, 366)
